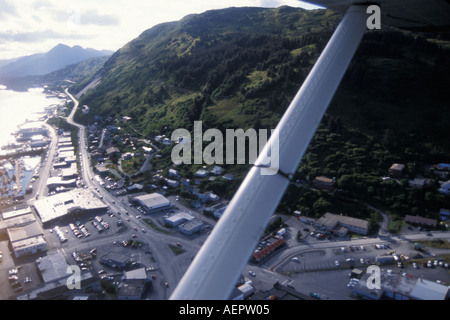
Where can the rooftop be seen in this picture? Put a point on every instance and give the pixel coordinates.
(52, 267)
(56, 206)
(16, 213)
(153, 200)
(21, 233)
(330, 220)
(179, 218)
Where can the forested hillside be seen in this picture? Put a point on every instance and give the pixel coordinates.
(240, 68)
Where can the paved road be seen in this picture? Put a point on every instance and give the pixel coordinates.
(44, 171)
(172, 267)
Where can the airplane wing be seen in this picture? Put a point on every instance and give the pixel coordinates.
(216, 268)
(419, 15)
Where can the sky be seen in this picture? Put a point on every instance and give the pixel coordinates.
(36, 26)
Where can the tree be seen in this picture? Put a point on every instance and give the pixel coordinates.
(321, 206)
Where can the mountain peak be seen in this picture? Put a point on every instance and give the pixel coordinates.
(58, 57)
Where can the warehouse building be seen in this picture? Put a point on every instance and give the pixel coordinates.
(79, 200)
(191, 227)
(54, 275)
(153, 202)
(177, 219)
(115, 260)
(26, 240)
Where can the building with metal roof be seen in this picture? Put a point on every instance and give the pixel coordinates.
(153, 202)
(59, 205)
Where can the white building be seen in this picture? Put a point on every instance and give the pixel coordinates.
(59, 205)
(201, 173)
(172, 183)
(173, 173)
(217, 170)
(153, 202)
(178, 218)
(27, 239)
(38, 141)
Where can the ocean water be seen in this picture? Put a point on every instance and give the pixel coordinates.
(18, 107)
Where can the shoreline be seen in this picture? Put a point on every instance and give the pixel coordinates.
(21, 156)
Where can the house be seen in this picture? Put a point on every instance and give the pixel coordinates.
(127, 156)
(217, 170)
(217, 210)
(418, 183)
(213, 197)
(113, 153)
(324, 183)
(147, 149)
(135, 188)
(396, 170)
(98, 155)
(228, 176)
(102, 171)
(185, 182)
(174, 173)
(201, 173)
(172, 183)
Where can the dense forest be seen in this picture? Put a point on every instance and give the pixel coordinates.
(240, 68)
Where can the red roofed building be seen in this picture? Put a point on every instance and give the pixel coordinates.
(269, 246)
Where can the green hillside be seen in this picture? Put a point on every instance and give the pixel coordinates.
(214, 66)
(240, 68)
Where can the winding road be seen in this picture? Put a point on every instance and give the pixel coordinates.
(171, 266)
